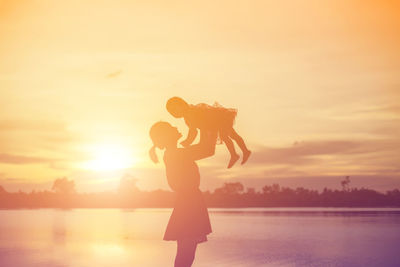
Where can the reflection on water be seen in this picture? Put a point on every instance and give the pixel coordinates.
(242, 237)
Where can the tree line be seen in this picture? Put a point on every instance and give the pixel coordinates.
(63, 195)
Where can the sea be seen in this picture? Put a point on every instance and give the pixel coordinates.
(241, 237)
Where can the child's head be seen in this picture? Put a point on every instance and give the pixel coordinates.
(177, 106)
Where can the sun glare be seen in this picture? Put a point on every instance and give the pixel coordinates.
(109, 157)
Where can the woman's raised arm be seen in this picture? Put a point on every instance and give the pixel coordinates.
(205, 148)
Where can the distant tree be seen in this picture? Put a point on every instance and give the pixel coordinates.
(345, 183)
(394, 192)
(251, 191)
(276, 188)
(230, 189)
(64, 186)
(228, 195)
(127, 185)
(266, 189)
(271, 189)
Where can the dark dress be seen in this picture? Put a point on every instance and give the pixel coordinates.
(189, 219)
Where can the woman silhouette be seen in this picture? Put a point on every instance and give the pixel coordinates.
(189, 223)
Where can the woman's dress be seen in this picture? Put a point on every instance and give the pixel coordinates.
(189, 219)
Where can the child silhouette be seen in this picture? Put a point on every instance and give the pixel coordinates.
(209, 118)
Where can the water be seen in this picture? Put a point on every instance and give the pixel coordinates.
(242, 237)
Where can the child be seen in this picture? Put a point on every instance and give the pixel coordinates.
(206, 118)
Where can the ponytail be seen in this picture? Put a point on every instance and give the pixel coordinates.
(153, 154)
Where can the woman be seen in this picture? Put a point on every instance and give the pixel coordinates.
(189, 223)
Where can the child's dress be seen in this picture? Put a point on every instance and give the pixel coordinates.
(206, 117)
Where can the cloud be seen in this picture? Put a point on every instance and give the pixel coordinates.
(337, 158)
(17, 159)
(31, 125)
(307, 151)
(114, 74)
(26, 137)
(386, 109)
(301, 153)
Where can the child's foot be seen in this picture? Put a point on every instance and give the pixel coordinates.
(233, 160)
(246, 156)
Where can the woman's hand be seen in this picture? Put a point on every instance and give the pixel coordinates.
(205, 148)
(185, 143)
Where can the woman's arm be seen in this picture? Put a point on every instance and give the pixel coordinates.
(205, 148)
(190, 138)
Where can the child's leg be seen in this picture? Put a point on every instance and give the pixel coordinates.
(186, 250)
(239, 140)
(229, 144)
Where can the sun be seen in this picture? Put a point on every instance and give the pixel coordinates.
(109, 157)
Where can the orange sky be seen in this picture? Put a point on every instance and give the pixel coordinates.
(316, 83)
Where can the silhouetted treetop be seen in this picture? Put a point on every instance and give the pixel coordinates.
(127, 185)
(2, 190)
(228, 195)
(63, 186)
(230, 189)
(345, 183)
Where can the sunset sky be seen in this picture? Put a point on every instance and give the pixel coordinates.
(316, 85)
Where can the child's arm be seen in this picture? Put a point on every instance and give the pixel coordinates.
(205, 148)
(190, 138)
